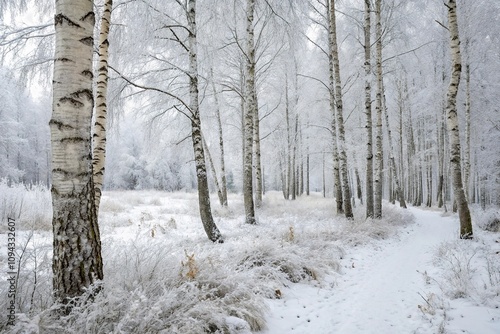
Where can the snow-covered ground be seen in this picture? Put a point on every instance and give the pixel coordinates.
(385, 290)
(302, 269)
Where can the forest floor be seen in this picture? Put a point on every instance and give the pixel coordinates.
(387, 289)
(302, 269)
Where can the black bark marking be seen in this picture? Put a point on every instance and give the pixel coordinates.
(60, 125)
(73, 140)
(64, 60)
(81, 94)
(88, 74)
(61, 18)
(60, 171)
(89, 15)
(89, 41)
(74, 102)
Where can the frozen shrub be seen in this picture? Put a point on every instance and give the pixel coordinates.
(488, 220)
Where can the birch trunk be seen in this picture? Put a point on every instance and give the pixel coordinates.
(256, 142)
(368, 113)
(453, 128)
(76, 261)
(99, 138)
(221, 144)
(214, 172)
(336, 168)
(294, 162)
(467, 133)
(289, 142)
(346, 192)
(248, 118)
(392, 162)
(211, 229)
(377, 205)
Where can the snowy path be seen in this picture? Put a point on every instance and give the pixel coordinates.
(378, 292)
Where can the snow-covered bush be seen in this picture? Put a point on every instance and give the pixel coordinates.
(488, 220)
(29, 205)
(469, 269)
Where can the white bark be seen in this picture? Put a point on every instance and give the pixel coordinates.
(453, 128)
(77, 261)
(99, 138)
(221, 145)
(346, 192)
(331, 69)
(377, 204)
(250, 105)
(211, 229)
(368, 113)
(399, 192)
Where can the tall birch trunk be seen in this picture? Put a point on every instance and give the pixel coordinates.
(467, 133)
(453, 128)
(256, 142)
(331, 67)
(211, 229)
(289, 142)
(368, 113)
(346, 192)
(377, 205)
(250, 107)
(294, 161)
(99, 138)
(221, 144)
(76, 261)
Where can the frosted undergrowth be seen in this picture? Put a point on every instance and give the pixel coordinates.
(465, 278)
(162, 275)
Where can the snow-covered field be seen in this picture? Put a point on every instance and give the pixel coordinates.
(302, 269)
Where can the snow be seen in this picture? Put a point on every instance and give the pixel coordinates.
(380, 290)
(303, 269)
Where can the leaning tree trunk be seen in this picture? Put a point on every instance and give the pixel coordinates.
(99, 138)
(377, 204)
(221, 144)
(77, 261)
(340, 117)
(211, 229)
(368, 113)
(453, 128)
(249, 114)
(214, 171)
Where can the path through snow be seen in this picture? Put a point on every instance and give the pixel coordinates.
(379, 291)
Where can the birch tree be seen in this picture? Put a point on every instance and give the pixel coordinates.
(368, 113)
(207, 219)
(339, 113)
(77, 261)
(377, 205)
(249, 114)
(221, 144)
(99, 137)
(452, 121)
